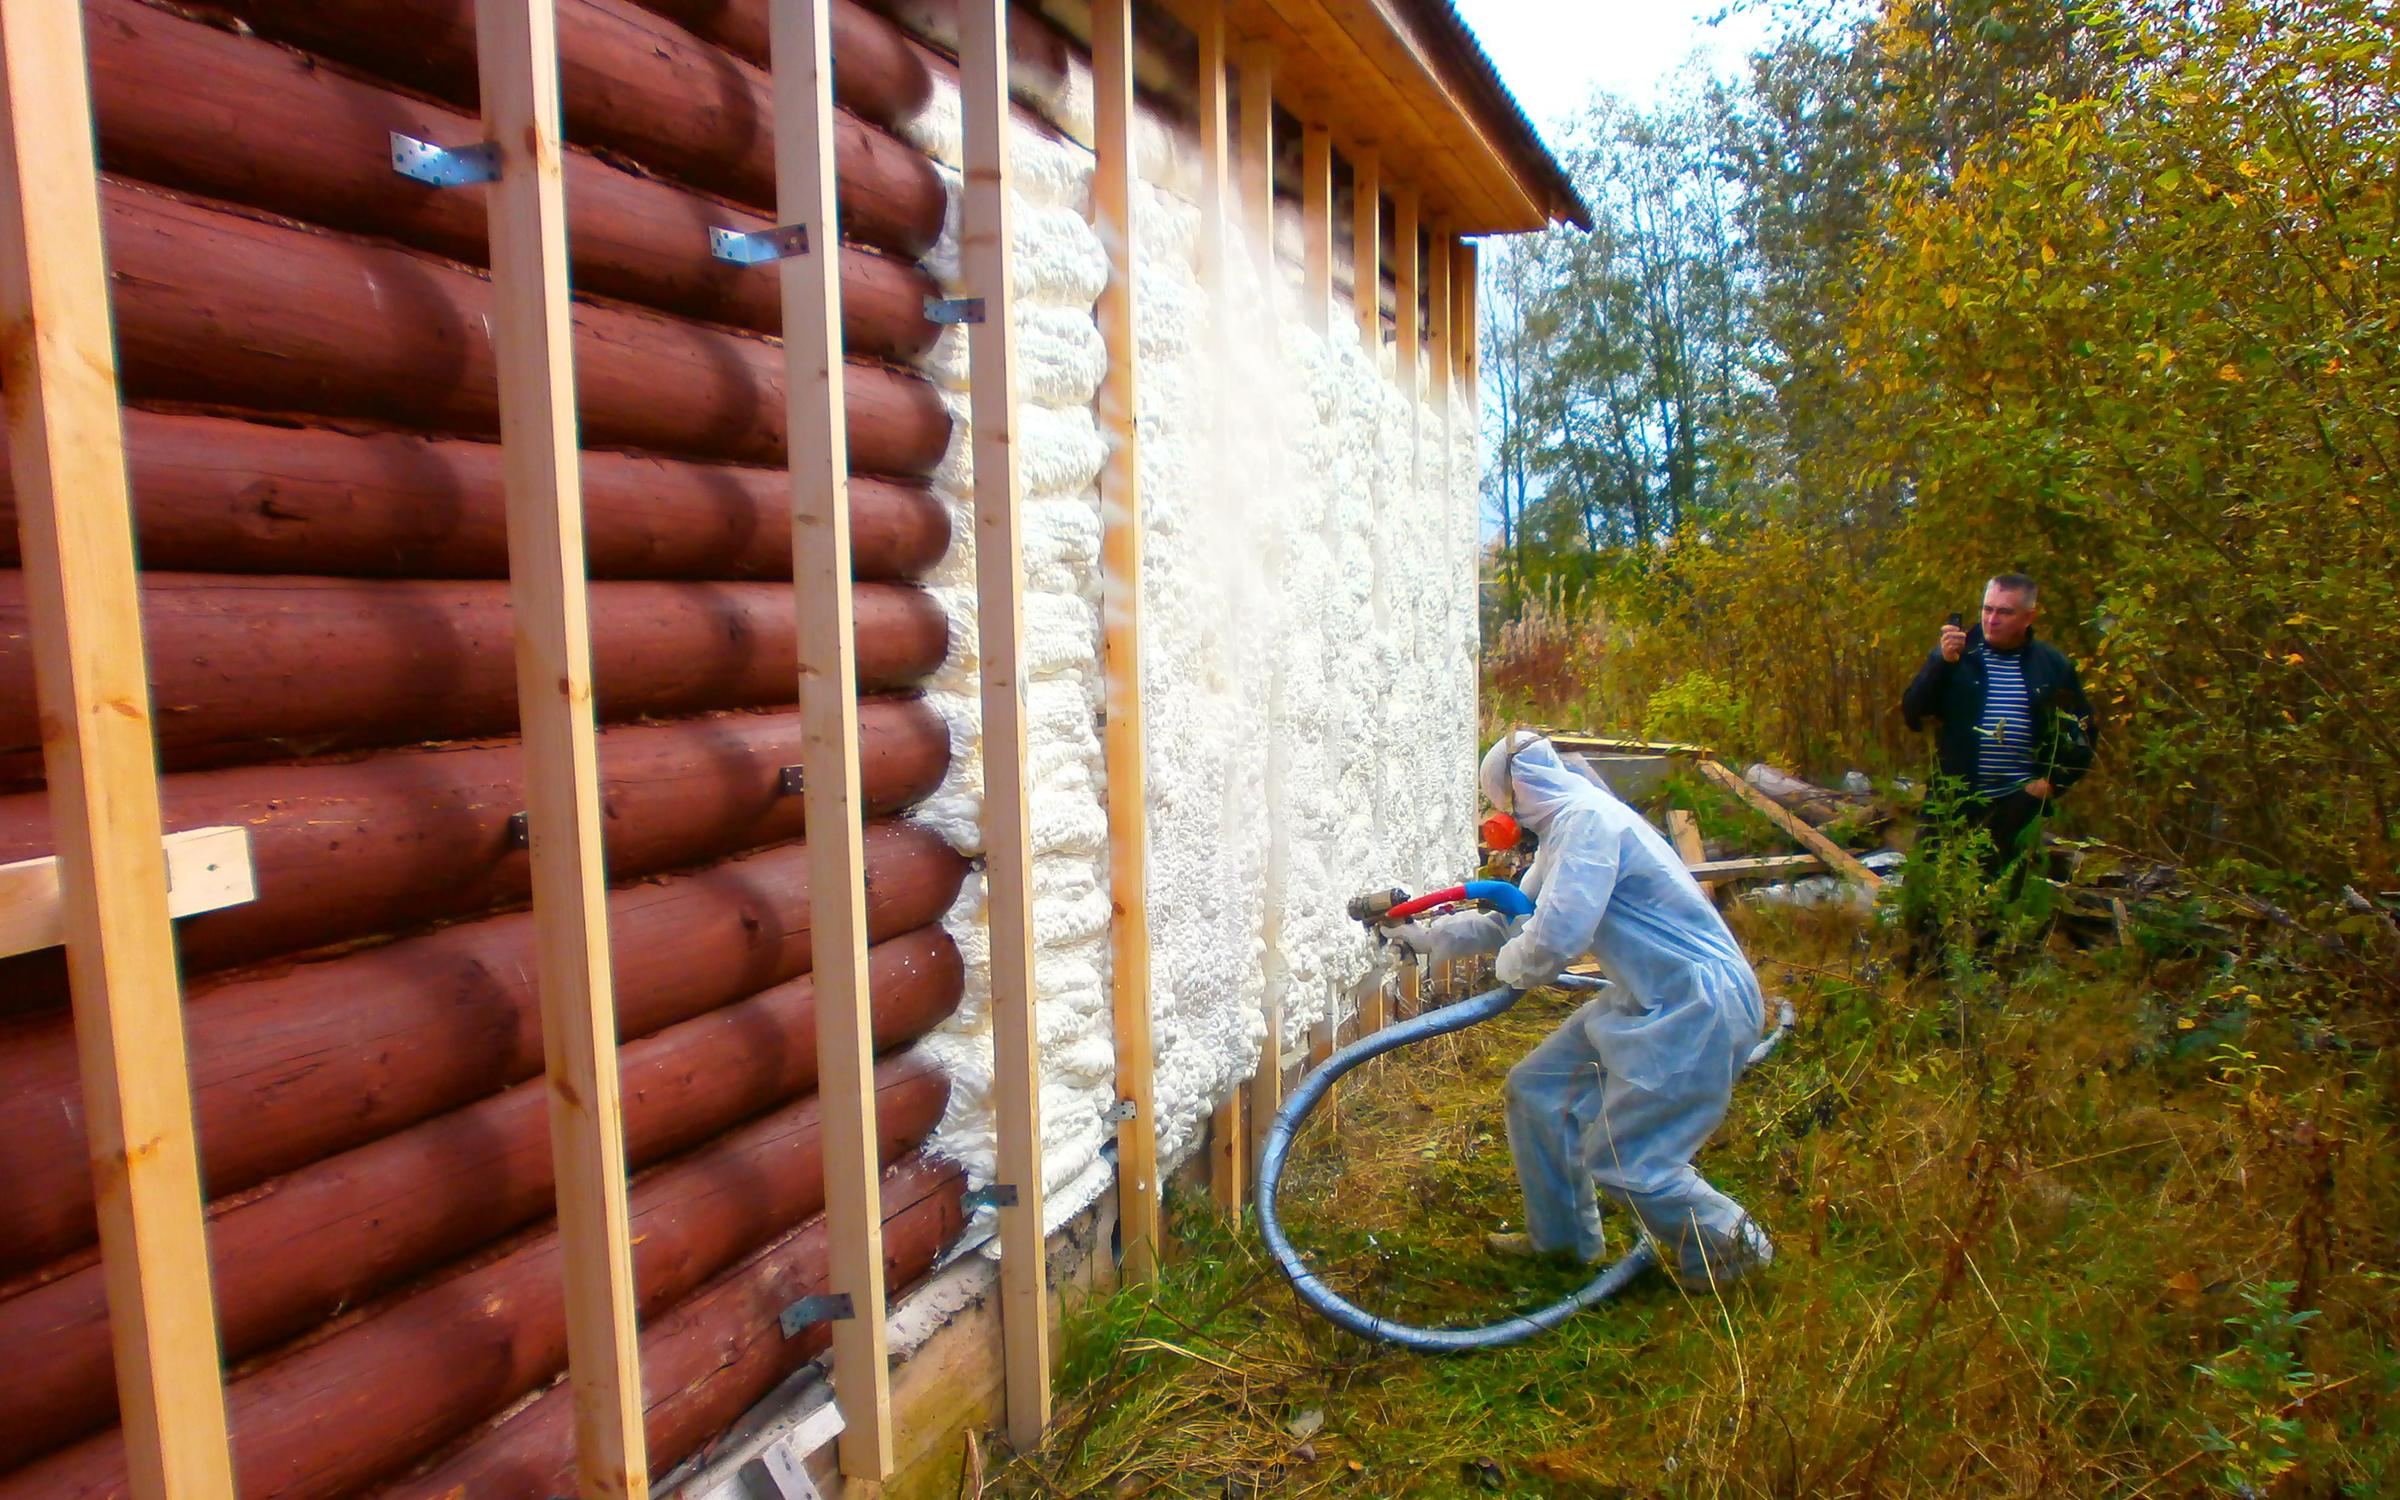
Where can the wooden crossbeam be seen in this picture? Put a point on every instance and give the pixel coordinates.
(1113, 176)
(208, 869)
(91, 677)
(987, 261)
(1366, 247)
(517, 62)
(800, 36)
(1834, 855)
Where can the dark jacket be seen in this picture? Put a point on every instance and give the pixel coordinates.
(2065, 730)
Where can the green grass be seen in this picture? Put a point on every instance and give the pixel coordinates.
(2024, 1235)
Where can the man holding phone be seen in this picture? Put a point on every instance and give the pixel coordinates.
(2015, 729)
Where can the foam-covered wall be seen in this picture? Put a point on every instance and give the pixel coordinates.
(1307, 652)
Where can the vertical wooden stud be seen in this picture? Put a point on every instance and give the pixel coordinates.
(1366, 247)
(1405, 274)
(1316, 220)
(92, 680)
(532, 338)
(1437, 309)
(986, 254)
(1226, 1157)
(1121, 643)
(1258, 161)
(1207, 18)
(819, 460)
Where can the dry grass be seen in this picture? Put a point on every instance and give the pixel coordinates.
(2012, 1262)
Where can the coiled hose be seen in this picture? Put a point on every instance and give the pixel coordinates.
(1350, 1315)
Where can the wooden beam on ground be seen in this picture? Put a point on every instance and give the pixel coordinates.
(1713, 872)
(1316, 226)
(99, 751)
(986, 262)
(800, 38)
(1405, 272)
(1833, 854)
(208, 869)
(1683, 831)
(1366, 248)
(1121, 644)
(532, 336)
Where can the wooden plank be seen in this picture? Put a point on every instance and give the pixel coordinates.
(1366, 247)
(987, 255)
(1316, 226)
(1412, 991)
(1437, 310)
(1711, 872)
(1210, 92)
(1266, 1085)
(208, 869)
(68, 462)
(1816, 843)
(517, 58)
(1405, 271)
(1683, 830)
(800, 39)
(1466, 336)
(1121, 643)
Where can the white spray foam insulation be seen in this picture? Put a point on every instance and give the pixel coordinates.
(1308, 638)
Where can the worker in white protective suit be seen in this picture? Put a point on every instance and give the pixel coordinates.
(1621, 1096)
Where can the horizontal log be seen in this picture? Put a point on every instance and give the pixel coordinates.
(877, 73)
(243, 668)
(709, 1359)
(215, 495)
(360, 1403)
(219, 309)
(292, 1065)
(632, 83)
(379, 845)
(192, 107)
(349, 1228)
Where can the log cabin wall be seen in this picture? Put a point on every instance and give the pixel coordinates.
(312, 408)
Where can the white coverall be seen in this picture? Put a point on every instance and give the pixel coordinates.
(1623, 1094)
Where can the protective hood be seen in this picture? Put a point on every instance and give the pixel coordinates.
(1534, 784)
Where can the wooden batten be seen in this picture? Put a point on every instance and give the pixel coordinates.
(1366, 247)
(517, 58)
(986, 263)
(1121, 643)
(1438, 309)
(68, 461)
(801, 43)
(1257, 166)
(1406, 271)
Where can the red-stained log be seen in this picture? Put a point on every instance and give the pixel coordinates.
(876, 72)
(292, 1065)
(192, 107)
(631, 82)
(376, 846)
(244, 668)
(216, 308)
(338, 1233)
(708, 1360)
(357, 1405)
(215, 495)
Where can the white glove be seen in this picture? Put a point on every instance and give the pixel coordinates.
(1521, 967)
(1412, 938)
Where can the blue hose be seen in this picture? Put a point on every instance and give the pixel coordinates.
(1312, 1090)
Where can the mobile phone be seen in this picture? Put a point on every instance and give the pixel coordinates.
(1956, 620)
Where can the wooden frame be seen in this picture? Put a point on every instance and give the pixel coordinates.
(801, 48)
(532, 337)
(1113, 178)
(1316, 226)
(1437, 353)
(1405, 273)
(1366, 247)
(1257, 156)
(208, 869)
(91, 673)
(986, 254)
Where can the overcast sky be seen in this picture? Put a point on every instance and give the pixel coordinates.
(1553, 53)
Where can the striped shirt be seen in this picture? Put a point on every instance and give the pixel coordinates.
(2004, 734)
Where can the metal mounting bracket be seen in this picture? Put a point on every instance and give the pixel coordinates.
(791, 781)
(954, 309)
(743, 249)
(832, 1307)
(444, 166)
(1125, 1110)
(998, 1195)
